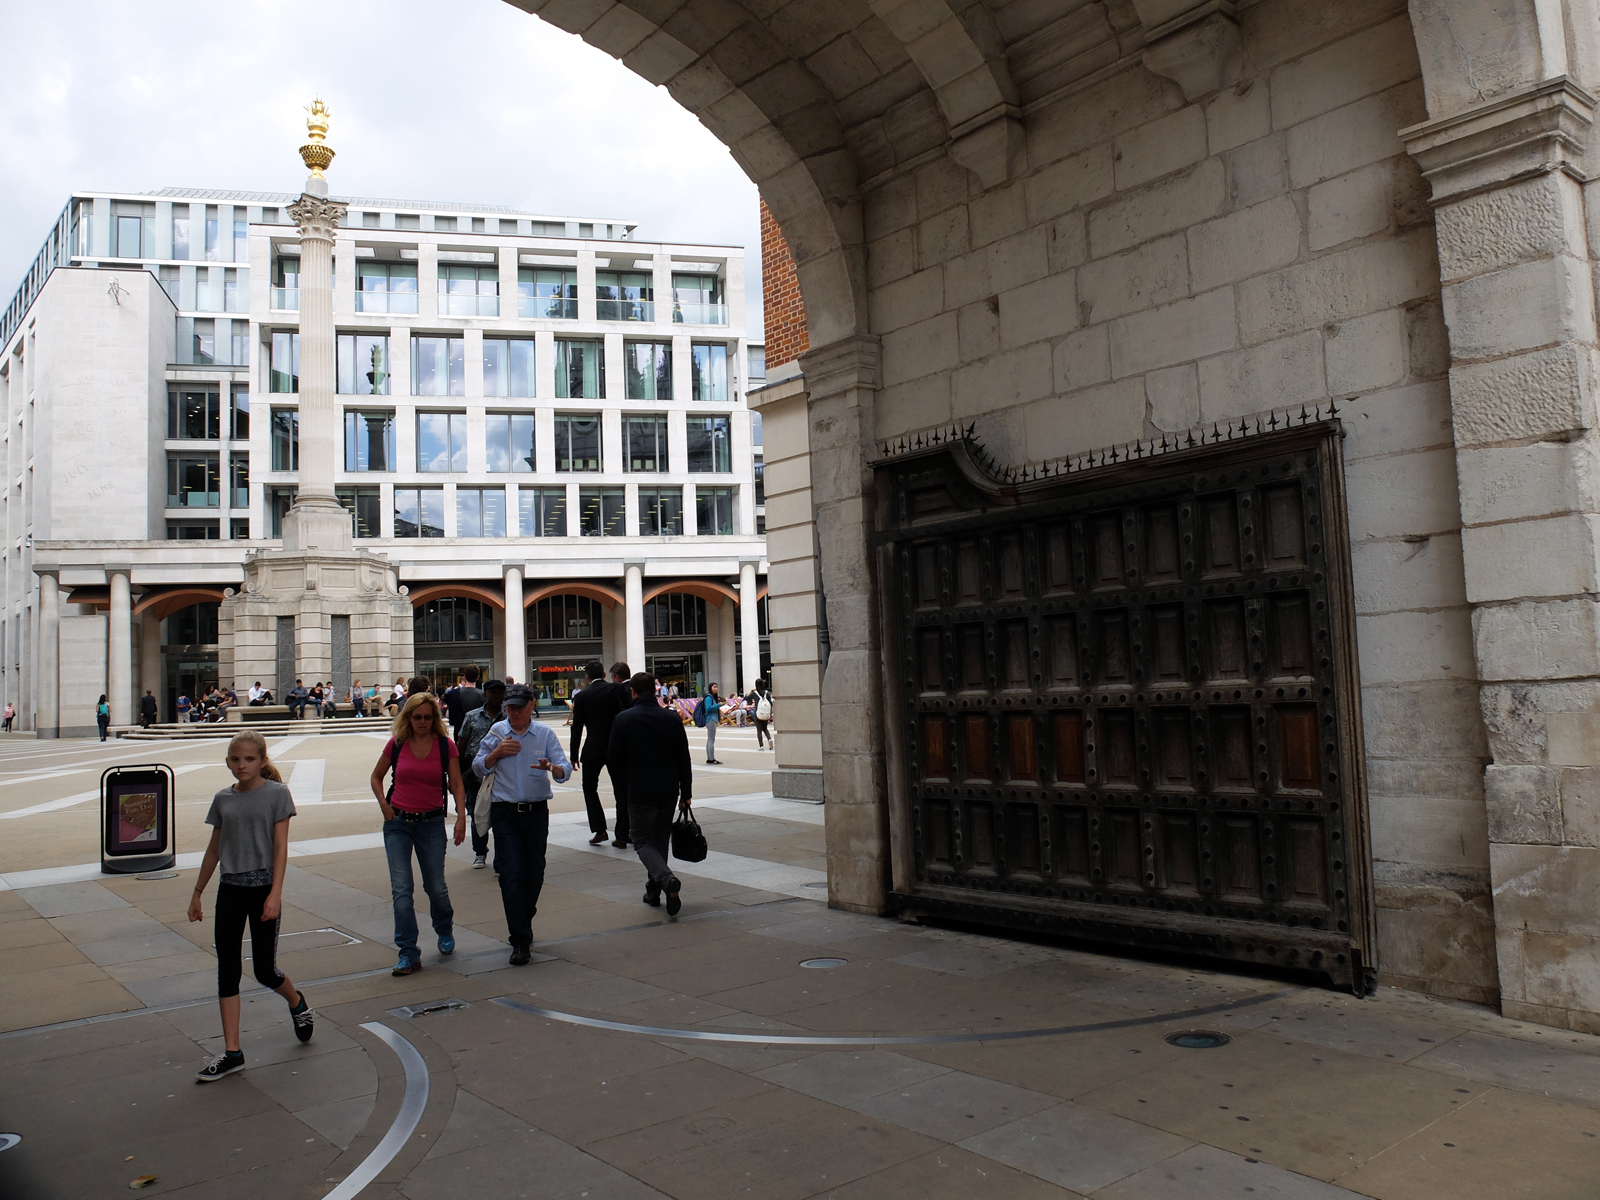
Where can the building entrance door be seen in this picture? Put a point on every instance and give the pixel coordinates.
(685, 671)
(188, 673)
(1125, 705)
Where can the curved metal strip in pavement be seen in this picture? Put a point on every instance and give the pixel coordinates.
(416, 1099)
(906, 1039)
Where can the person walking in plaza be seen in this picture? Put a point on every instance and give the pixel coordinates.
(463, 698)
(102, 715)
(10, 716)
(759, 703)
(711, 713)
(147, 709)
(475, 727)
(523, 756)
(649, 761)
(425, 773)
(593, 709)
(250, 842)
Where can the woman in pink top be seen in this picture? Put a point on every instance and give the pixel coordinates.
(425, 772)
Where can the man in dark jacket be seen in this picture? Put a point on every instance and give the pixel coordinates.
(147, 709)
(594, 709)
(649, 760)
(463, 698)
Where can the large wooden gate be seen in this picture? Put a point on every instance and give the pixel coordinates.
(1122, 698)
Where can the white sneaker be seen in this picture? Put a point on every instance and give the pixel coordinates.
(479, 862)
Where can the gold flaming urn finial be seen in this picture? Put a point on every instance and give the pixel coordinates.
(316, 154)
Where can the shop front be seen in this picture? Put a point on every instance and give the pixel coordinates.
(564, 636)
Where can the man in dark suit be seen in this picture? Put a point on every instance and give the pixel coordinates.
(649, 761)
(464, 697)
(594, 708)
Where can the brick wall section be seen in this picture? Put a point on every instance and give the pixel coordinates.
(780, 296)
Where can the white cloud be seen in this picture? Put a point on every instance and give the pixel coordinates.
(472, 101)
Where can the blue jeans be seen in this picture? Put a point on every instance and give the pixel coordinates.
(426, 838)
(520, 840)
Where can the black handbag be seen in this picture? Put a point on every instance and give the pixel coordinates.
(688, 841)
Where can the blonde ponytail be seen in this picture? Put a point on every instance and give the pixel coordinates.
(251, 738)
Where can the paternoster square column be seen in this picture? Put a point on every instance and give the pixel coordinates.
(317, 521)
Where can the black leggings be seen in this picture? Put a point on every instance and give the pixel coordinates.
(235, 905)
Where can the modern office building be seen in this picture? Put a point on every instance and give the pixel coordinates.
(545, 433)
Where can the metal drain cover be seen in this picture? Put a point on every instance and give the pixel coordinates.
(816, 886)
(822, 964)
(8, 1140)
(158, 875)
(1197, 1039)
(429, 1009)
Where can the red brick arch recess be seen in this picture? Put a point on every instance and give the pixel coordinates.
(607, 596)
(163, 604)
(712, 593)
(438, 591)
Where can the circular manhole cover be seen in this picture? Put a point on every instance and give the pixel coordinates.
(822, 964)
(8, 1140)
(1197, 1039)
(160, 875)
(818, 886)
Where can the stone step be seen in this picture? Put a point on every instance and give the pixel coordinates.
(221, 730)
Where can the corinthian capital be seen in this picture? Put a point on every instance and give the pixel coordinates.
(316, 216)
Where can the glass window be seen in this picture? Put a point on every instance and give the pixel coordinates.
(542, 512)
(207, 291)
(708, 442)
(453, 619)
(508, 442)
(644, 443)
(698, 300)
(193, 481)
(547, 292)
(180, 231)
(708, 372)
(758, 365)
(560, 618)
(233, 297)
(384, 287)
(441, 441)
(241, 344)
(169, 283)
(580, 370)
(624, 296)
(761, 483)
(285, 362)
(192, 531)
(365, 506)
(193, 413)
(211, 233)
(128, 230)
(419, 512)
(661, 512)
(289, 273)
(205, 341)
(238, 481)
(648, 367)
(577, 441)
(363, 365)
(713, 510)
(674, 615)
(239, 529)
(241, 241)
(279, 501)
(438, 366)
(285, 439)
(480, 512)
(508, 367)
(755, 430)
(241, 414)
(369, 441)
(602, 512)
(467, 291)
(444, 224)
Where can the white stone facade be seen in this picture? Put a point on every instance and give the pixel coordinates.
(119, 318)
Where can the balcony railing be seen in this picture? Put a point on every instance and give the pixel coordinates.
(699, 314)
(561, 308)
(394, 302)
(468, 306)
(194, 500)
(286, 299)
(625, 310)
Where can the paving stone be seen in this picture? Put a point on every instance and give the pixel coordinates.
(523, 1164)
(62, 899)
(341, 1120)
(954, 1105)
(1076, 1147)
(298, 1083)
(949, 1173)
(1523, 1066)
(1206, 1173)
(848, 1076)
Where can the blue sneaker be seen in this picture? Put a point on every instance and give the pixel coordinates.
(447, 944)
(406, 967)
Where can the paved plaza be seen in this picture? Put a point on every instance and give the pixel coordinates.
(639, 1057)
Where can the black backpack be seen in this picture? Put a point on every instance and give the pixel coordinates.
(444, 771)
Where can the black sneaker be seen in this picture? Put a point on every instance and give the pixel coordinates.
(303, 1017)
(520, 953)
(673, 903)
(222, 1064)
(652, 896)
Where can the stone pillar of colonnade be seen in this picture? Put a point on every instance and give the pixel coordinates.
(48, 687)
(119, 651)
(749, 626)
(514, 653)
(727, 646)
(633, 613)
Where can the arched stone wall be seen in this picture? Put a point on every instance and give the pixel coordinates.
(1083, 223)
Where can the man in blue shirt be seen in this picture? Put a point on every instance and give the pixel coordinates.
(523, 756)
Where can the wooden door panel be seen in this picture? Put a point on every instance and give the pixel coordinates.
(1130, 698)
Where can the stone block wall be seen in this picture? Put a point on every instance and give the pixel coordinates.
(1164, 263)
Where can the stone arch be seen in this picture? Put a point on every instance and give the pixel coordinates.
(438, 591)
(779, 121)
(607, 596)
(163, 604)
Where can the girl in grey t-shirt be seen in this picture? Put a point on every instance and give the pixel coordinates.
(250, 840)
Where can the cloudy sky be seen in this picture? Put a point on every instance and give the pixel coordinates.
(471, 100)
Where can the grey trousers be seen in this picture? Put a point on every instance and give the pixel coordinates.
(711, 739)
(650, 829)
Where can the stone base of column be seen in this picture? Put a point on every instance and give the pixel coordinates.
(313, 526)
(313, 588)
(798, 783)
